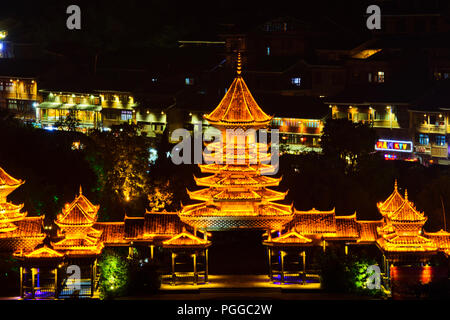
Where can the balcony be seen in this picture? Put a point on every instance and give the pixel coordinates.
(439, 151)
(429, 128)
(19, 96)
(386, 124)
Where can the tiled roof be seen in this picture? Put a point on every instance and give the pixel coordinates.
(112, 232)
(157, 223)
(291, 237)
(238, 107)
(313, 222)
(6, 179)
(134, 227)
(347, 227)
(186, 239)
(368, 230)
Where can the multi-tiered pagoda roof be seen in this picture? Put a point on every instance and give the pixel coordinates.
(17, 231)
(77, 235)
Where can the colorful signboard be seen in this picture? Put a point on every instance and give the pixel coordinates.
(394, 145)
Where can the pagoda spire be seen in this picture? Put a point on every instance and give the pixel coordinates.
(239, 64)
(406, 194)
(81, 190)
(237, 193)
(395, 185)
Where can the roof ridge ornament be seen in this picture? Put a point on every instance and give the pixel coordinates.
(395, 185)
(239, 64)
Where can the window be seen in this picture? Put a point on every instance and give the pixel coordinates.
(370, 77)
(423, 139)
(29, 88)
(189, 81)
(296, 81)
(126, 115)
(433, 120)
(267, 51)
(12, 104)
(9, 86)
(312, 124)
(440, 140)
(380, 76)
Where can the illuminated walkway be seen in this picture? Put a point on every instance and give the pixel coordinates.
(239, 282)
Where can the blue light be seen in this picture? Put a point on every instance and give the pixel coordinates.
(1, 46)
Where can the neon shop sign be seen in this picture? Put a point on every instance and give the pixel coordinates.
(394, 145)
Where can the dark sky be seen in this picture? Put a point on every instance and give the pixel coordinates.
(143, 23)
(138, 21)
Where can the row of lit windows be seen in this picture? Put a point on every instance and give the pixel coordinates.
(295, 123)
(376, 76)
(9, 86)
(439, 140)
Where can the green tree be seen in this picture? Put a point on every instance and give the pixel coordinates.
(114, 274)
(161, 197)
(347, 142)
(120, 157)
(69, 123)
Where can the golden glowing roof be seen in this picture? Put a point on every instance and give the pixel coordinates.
(44, 253)
(392, 203)
(186, 239)
(6, 179)
(291, 237)
(398, 243)
(407, 212)
(81, 212)
(238, 108)
(7, 185)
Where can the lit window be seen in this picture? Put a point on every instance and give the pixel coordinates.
(268, 51)
(440, 140)
(189, 81)
(126, 115)
(424, 139)
(296, 81)
(370, 77)
(380, 76)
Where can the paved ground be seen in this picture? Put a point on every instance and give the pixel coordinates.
(243, 282)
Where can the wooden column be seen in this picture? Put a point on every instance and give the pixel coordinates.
(152, 249)
(324, 245)
(130, 252)
(282, 267)
(269, 256)
(21, 282)
(194, 256)
(32, 283)
(56, 282)
(206, 266)
(173, 269)
(346, 249)
(304, 266)
(92, 279)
